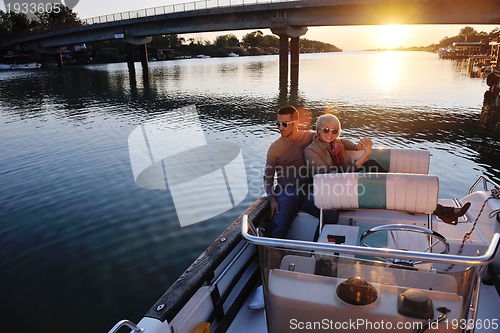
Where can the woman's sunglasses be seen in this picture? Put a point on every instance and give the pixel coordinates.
(284, 123)
(326, 130)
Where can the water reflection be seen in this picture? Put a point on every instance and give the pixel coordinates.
(77, 90)
(385, 71)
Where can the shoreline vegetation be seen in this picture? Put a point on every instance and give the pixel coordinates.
(167, 47)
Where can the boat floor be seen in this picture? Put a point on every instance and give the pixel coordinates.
(249, 320)
(488, 308)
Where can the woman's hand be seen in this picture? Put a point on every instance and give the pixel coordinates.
(366, 145)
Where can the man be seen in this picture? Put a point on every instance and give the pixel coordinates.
(286, 157)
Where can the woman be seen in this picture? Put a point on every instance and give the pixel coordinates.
(328, 152)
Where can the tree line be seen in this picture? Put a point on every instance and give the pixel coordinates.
(466, 34)
(253, 43)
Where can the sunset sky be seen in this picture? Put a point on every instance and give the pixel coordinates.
(346, 38)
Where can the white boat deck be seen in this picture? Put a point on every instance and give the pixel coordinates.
(488, 310)
(249, 320)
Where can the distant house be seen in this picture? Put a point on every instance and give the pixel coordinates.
(109, 54)
(165, 54)
(244, 45)
(469, 48)
(494, 56)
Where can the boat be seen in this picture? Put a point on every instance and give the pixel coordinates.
(232, 54)
(31, 65)
(202, 56)
(388, 264)
(478, 66)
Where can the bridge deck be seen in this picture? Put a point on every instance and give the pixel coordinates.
(227, 15)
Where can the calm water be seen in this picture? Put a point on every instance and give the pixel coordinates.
(82, 246)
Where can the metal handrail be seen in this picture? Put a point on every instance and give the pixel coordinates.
(129, 324)
(174, 8)
(485, 180)
(484, 259)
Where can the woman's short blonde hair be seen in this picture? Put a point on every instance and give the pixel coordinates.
(328, 120)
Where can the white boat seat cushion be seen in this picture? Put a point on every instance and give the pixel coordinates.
(402, 160)
(413, 193)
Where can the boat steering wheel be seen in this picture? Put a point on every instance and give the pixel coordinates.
(393, 229)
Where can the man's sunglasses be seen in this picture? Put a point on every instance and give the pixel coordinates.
(284, 123)
(326, 130)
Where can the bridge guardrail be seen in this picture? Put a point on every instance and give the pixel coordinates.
(174, 8)
(146, 12)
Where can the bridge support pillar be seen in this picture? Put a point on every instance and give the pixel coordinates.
(294, 51)
(143, 52)
(280, 27)
(59, 60)
(283, 65)
(129, 52)
(294, 61)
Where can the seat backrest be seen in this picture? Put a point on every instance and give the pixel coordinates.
(413, 193)
(402, 160)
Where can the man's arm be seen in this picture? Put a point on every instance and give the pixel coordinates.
(269, 171)
(269, 180)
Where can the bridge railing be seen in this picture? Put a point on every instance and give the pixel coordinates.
(147, 12)
(174, 8)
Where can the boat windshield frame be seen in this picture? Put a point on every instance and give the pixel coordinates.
(330, 248)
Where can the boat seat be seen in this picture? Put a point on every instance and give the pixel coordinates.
(402, 160)
(412, 193)
(399, 160)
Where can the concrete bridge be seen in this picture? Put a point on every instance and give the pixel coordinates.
(288, 19)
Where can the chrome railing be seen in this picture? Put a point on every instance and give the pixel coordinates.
(485, 180)
(174, 8)
(481, 260)
(127, 323)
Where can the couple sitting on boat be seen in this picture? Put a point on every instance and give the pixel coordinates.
(297, 154)
(320, 152)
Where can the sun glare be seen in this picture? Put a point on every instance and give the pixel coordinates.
(386, 71)
(391, 35)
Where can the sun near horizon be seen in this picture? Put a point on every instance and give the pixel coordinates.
(390, 35)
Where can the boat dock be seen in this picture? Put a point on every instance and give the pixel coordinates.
(482, 61)
(490, 113)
